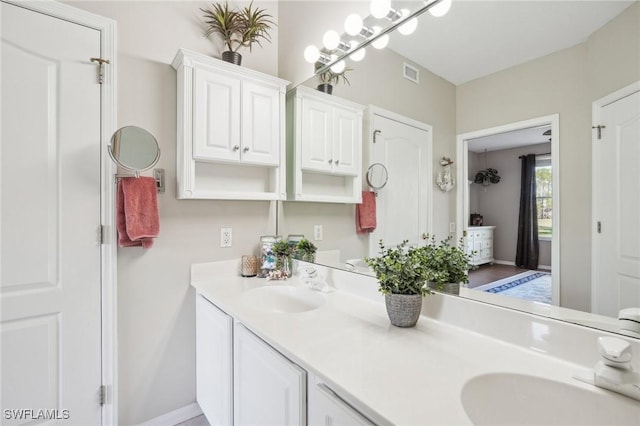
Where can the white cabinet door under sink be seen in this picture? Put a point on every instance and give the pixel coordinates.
(216, 116)
(214, 362)
(268, 388)
(326, 408)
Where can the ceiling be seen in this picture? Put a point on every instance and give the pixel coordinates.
(478, 37)
(513, 139)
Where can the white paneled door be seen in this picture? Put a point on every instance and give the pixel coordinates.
(50, 214)
(617, 207)
(402, 213)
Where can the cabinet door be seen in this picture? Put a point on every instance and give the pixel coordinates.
(214, 362)
(216, 121)
(260, 124)
(268, 388)
(315, 146)
(326, 408)
(347, 137)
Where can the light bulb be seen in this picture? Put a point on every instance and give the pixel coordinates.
(353, 24)
(331, 40)
(311, 54)
(381, 42)
(441, 8)
(380, 8)
(338, 67)
(359, 55)
(408, 27)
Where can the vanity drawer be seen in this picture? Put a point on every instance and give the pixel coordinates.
(487, 244)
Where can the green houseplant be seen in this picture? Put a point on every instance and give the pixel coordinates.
(402, 275)
(282, 250)
(448, 265)
(329, 78)
(305, 250)
(237, 28)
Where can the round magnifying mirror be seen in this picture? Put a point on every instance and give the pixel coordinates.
(377, 176)
(134, 148)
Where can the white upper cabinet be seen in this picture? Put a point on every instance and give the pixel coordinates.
(231, 133)
(324, 145)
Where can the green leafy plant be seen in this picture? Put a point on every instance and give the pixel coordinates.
(305, 250)
(446, 263)
(238, 28)
(401, 269)
(282, 248)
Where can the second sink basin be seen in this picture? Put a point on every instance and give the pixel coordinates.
(283, 299)
(518, 399)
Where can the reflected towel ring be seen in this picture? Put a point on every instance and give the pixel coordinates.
(377, 177)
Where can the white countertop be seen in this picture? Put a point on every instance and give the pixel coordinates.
(393, 375)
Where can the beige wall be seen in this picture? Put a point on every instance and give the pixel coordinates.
(499, 204)
(566, 82)
(156, 332)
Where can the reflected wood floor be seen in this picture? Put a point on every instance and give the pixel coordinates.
(488, 273)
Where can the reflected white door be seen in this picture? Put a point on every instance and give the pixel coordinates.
(402, 204)
(50, 213)
(617, 201)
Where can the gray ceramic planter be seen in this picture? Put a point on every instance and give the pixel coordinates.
(403, 309)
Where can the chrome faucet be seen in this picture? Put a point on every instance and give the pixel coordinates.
(614, 371)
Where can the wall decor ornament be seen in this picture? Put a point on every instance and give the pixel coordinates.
(445, 180)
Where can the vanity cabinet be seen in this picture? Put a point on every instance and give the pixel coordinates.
(268, 389)
(327, 408)
(324, 147)
(214, 362)
(231, 132)
(480, 243)
(240, 379)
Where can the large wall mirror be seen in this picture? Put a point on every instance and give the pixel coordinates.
(487, 65)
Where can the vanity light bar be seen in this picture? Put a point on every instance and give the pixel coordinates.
(382, 33)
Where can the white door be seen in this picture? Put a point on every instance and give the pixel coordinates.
(260, 124)
(402, 204)
(216, 123)
(617, 201)
(268, 389)
(316, 146)
(50, 214)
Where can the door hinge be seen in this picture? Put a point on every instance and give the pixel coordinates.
(101, 234)
(599, 226)
(103, 394)
(599, 127)
(101, 63)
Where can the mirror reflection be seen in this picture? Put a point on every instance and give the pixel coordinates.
(478, 70)
(134, 149)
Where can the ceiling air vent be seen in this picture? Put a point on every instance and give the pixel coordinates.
(410, 73)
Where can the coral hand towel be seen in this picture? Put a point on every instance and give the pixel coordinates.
(137, 212)
(366, 213)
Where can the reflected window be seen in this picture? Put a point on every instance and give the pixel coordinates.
(544, 191)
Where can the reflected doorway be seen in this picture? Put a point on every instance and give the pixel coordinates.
(488, 207)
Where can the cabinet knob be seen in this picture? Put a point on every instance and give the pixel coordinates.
(245, 149)
(330, 160)
(236, 147)
(337, 162)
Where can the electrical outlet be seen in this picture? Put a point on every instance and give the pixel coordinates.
(225, 237)
(317, 232)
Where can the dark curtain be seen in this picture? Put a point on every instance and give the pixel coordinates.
(528, 246)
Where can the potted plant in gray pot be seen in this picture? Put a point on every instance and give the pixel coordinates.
(448, 265)
(305, 250)
(238, 28)
(402, 274)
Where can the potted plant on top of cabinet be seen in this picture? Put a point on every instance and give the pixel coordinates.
(448, 265)
(238, 28)
(329, 79)
(402, 273)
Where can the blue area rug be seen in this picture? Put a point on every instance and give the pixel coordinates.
(531, 285)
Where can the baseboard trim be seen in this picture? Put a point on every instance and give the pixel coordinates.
(174, 417)
(504, 262)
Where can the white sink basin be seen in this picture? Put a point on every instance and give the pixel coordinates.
(283, 299)
(515, 399)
